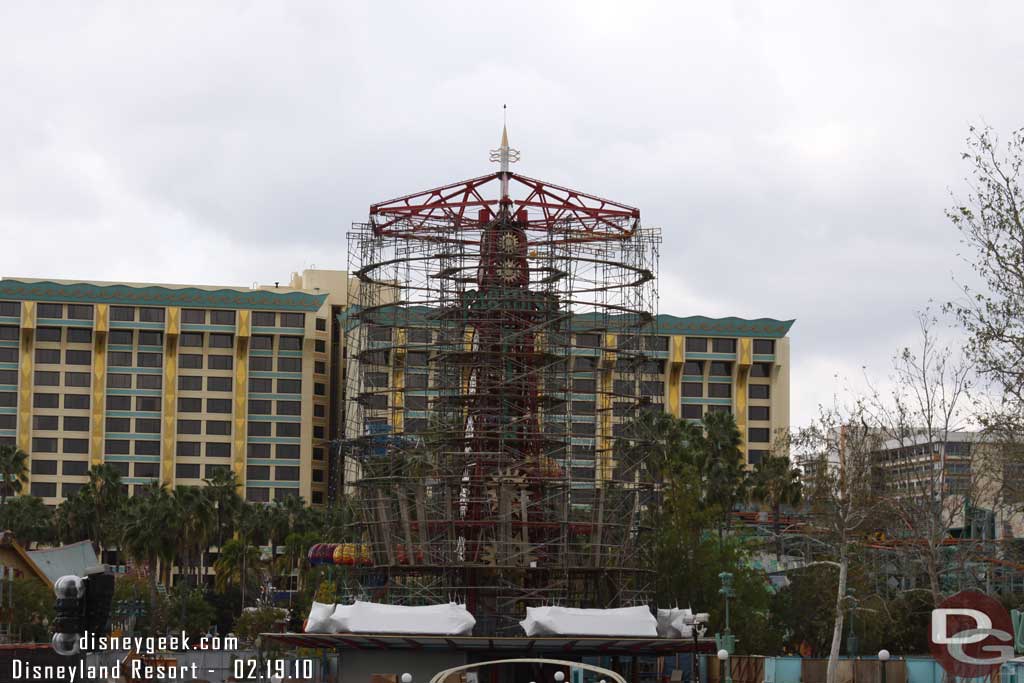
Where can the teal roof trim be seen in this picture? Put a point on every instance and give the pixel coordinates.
(192, 297)
(694, 325)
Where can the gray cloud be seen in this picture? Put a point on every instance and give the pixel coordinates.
(798, 157)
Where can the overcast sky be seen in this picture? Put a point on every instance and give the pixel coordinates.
(798, 156)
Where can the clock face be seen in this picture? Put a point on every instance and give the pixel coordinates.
(509, 243)
(508, 271)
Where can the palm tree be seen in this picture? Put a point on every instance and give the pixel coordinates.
(28, 519)
(195, 509)
(227, 504)
(776, 483)
(722, 465)
(13, 471)
(237, 565)
(151, 530)
(106, 497)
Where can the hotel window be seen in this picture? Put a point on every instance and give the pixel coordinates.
(147, 448)
(186, 471)
(652, 388)
(721, 369)
(74, 468)
(289, 365)
(119, 402)
(46, 400)
(44, 445)
(719, 409)
(257, 450)
(696, 344)
(656, 343)
(693, 389)
(44, 466)
(79, 335)
(213, 468)
(150, 338)
(222, 317)
(321, 324)
(148, 360)
(693, 412)
(293, 320)
(289, 343)
(8, 421)
(758, 435)
(719, 390)
(192, 339)
(8, 355)
(420, 335)
(120, 425)
(289, 429)
(318, 476)
(761, 370)
(260, 385)
(289, 407)
(78, 357)
(759, 391)
(193, 316)
(8, 376)
(262, 342)
(76, 379)
(50, 311)
(147, 404)
(588, 341)
(44, 489)
(45, 378)
(122, 313)
(756, 457)
(257, 495)
(117, 447)
(123, 337)
(151, 315)
(723, 345)
(259, 428)
(586, 386)
(318, 454)
(218, 405)
(45, 422)
(259, 407)
(289, 386)
(693, 367)
(218, 449)
(76, 424)
(218, 427)
(149, 381)
(261, 363)
(286, 473)
(146, 469)
(190, 427)
(758, 413)
(411, 402)
(190, 405)
(76, 446)
(259, 472)
(416, 380)
(190, 383)
(319, 389)
(764, 346)
(417, 358)
(651, 367)
(320, 410)
(47, 356)
(222, 341)
(119, 359)
(318, 430)
(584, 363)
(220, 362)
(264, 319)
(76, 401)
(69, 489)
(320, 368)
(320, 346)
(8, 333)
(218, 384)
(188, 448)
(48, 334)
(10, 308)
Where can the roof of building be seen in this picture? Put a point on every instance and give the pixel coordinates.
(513, 644)
(7, 540)
(694, 325)
(144, 294)
(74, 558)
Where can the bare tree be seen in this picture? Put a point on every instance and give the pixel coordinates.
(837, 453)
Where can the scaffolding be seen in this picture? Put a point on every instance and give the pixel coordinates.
(494, 337)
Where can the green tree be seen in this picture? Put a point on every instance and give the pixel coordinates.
(31, 609)
(29, 519)
(238, 565)
(13, 471)
(150, 531)
(189, 611)
(195, 509)
(776, 482)
(222, 489)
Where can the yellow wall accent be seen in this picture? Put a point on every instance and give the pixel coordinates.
(25, 381)
(101, 326)
(242, 333)
(674, 375)
(170, 412)
(606, 381)
(398, 382)
(742, 374)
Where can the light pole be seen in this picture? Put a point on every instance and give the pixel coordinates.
(726, 640)
(723, 657)
(883, 657)
(698, 627)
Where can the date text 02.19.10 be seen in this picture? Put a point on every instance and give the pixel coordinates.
(254, 669)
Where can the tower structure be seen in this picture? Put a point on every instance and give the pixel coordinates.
(480, 307)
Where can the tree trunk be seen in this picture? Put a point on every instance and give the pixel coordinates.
(837, 629)
(151, 566)
(777, 529)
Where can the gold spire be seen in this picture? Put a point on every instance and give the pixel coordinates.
(504, 136)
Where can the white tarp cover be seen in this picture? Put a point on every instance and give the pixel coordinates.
(371, 617)
(667, 620)
(635, 622)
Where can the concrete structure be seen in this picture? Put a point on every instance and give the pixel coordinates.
(168, 383)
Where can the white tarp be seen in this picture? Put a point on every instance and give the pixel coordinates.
(370, 617)
(667, 619)
(623, 622)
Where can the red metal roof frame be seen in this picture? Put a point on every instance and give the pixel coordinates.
(545, 207)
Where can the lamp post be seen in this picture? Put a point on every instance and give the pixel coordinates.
(723, 657)
(726, 640)
(698, 627)
(883, 657)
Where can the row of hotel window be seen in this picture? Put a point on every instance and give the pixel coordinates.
(419, 335)
(194, 449)
(257, 385)
(143, 359)
(149, 314)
